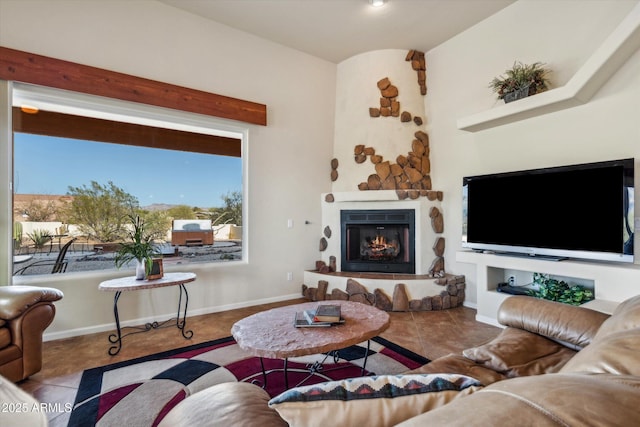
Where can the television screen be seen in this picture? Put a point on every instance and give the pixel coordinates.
(577, 211)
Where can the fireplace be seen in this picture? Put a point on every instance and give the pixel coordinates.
(378, 240)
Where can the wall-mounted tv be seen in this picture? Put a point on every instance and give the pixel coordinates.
(582, 211)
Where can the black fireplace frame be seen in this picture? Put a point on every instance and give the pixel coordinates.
(382, 217)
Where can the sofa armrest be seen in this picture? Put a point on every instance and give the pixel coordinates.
(15, 300)
(569, 325)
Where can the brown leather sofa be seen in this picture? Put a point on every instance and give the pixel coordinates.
(25, 312)
(553, 364)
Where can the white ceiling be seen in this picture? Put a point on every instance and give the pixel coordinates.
(338, 29)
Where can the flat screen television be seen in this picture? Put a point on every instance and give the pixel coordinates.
(582, 211)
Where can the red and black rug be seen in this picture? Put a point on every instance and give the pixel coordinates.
(140, 392)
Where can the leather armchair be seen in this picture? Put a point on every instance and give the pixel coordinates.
(25, 312)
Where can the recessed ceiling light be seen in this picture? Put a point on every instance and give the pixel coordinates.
(377, 3)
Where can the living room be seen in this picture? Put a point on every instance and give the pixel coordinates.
(289, 159)
(559, 138)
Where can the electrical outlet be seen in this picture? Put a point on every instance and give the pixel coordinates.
(512, 281)
(289, 276)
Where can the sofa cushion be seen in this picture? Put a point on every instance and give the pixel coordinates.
(625, 316)
(517, 353)
(460, 365)
(372, 401)
(616, 353)
(544, 400)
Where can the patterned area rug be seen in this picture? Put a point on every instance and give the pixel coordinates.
(140, 392)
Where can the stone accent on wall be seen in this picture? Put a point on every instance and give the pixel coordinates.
(437, 220)
(410, 172)
(334, 169)
(452, 295)
(419, 64)
(323, 244)
(389, 105)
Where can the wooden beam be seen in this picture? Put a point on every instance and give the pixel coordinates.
(45, 71)
(90, 129)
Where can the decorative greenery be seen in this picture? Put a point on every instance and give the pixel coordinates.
(559, 290)
(533, 76)
(41, 210)
(100, 210)
(17, 235)
(40, 238)
(141, 247)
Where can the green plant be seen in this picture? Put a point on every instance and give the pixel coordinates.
(42, 210)
(533, 76)
(100, 210)
(559, 290)
(17, 235)
(140, 248)
(39, 237)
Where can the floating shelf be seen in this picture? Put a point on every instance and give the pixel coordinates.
(605, 61)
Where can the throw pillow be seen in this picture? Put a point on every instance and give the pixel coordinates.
(372, 401)
(517, 353)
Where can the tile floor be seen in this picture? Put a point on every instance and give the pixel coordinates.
(430, 334)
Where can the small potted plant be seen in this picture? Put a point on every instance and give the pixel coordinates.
(520, 81)
(141, 248)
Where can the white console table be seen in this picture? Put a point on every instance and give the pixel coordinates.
(612, 282)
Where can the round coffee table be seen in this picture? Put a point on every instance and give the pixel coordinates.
(272, 333)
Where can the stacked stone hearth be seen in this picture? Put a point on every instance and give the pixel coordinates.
(452, 295)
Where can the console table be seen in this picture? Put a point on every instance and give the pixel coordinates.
(131, 284)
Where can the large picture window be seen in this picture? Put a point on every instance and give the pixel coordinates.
(83, 166)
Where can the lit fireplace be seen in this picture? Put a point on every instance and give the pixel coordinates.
(379, 249)
(378, 240)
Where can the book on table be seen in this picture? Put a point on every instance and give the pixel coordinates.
(307, 319)
(302, 321)
(327, 313)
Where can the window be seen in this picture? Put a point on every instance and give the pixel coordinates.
(83, 163)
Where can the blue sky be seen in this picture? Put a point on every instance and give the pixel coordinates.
(49, 165)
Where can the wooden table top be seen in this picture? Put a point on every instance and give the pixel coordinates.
(131, 284)
(272, 333)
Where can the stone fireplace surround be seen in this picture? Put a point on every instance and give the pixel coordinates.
(421, 291)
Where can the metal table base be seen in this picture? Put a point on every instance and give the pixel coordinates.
(180, 322)
(315, 368)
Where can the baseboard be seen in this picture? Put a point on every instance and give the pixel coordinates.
(488, 320)
(51, 336)
(470, 305)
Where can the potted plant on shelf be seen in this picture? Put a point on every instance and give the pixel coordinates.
(520, 81)
(559, 290)
(141, 248)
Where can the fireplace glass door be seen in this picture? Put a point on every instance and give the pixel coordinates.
(378, 241)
